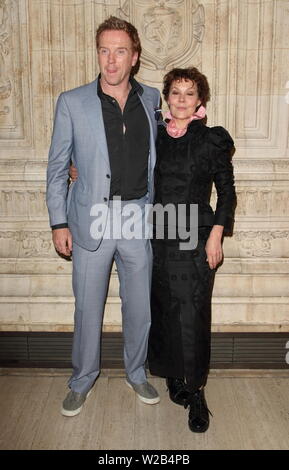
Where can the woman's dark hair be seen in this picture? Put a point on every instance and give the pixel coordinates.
(190, 73)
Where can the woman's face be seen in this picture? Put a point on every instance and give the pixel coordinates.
(183, 100)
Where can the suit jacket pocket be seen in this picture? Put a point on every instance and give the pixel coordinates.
(81, 198)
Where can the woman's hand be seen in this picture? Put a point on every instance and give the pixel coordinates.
(213, 247)
(73, 173)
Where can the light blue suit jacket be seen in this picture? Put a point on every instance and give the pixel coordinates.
(79, 135)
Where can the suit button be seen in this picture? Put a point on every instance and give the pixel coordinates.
(105, 199)
(108, 176)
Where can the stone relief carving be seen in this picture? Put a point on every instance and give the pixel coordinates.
(258, 202)
(172, 34)
(258, 243)
(36, 243)
(162, 27)
(29, 243)
(261, 166)
(5, 82)
(171, 30)
(25, 243)
(15, 73)
(281, 165)
(15, 203)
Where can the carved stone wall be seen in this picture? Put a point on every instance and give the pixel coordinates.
(242, 46)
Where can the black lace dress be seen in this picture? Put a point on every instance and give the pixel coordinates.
(182, 282)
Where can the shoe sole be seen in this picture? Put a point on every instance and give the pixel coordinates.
(76, 412)
(147, 401)
(199, 430)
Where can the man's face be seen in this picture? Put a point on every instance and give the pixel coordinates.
(115, 57)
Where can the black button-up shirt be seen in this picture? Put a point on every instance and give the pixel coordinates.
(127, 135)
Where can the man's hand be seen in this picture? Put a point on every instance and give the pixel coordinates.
(62, 240)
(73, 172)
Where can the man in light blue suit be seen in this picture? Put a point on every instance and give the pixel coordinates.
(107, 129)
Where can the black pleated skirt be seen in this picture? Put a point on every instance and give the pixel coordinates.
(180, 334)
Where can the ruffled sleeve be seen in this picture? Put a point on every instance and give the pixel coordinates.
(221, 149)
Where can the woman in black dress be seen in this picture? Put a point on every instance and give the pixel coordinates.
(190, 158)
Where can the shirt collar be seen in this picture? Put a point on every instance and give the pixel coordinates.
(135, 87)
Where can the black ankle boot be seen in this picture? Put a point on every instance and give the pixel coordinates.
(177, 391)
(199, 412)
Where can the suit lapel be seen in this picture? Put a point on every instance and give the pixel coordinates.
(93, 111)
(148, 105)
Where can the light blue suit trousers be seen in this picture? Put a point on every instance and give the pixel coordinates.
(91, 272)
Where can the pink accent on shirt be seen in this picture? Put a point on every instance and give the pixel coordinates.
(174, 131)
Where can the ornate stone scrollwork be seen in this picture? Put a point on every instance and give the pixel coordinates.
(24, 203)
(258, 243)
(36, 244)
(30, 243)
(171, 30)
(5, 82)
